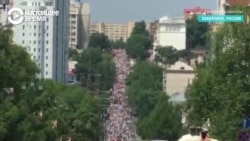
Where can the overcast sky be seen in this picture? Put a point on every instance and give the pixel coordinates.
(120, 11)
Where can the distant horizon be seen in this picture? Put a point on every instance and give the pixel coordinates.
(118, 11)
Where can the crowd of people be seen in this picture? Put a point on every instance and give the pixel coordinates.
(119, 126)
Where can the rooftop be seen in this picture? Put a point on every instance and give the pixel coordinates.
(238, 2)
(197, 9)
(176, 19)
(179, 65)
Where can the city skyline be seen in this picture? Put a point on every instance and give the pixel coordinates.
(134, 11)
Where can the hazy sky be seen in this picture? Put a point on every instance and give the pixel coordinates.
(120, 11)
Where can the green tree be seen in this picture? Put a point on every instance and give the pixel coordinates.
(27, 111)
(140, 28)
(73, 54)
(99, 40)
(166, 55)
(186, 55)
(119, 44)
(197, 33)
(96, 69)
(164, 121)
(139, 42)
(220, 91)
(150, 103)
(169, 55)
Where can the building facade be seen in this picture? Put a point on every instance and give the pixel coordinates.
(190, 12)
(79, 23)
(171, 31)
(153, 29)
(46, 42)
(113, 31)
(4, 12)
(177, 77)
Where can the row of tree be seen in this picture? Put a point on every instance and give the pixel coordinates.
(220, 92)
(169, 55)
(157, 118)
(33, 109)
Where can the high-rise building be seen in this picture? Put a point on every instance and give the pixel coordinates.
(79, 23)
(47, 41)
(113, 31)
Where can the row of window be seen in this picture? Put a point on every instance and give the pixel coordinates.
(39, 49)
(35, 42)
(35, 27)
(25, 3)
(45, 65)
(34, 58)
(172, 29)
(39, 34)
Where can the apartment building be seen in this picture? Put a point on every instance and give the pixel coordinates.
(190, 12)
(113, 31)
(47, 41)
(171, 31)
(177, 77)
(79, 22)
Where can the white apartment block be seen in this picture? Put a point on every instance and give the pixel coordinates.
(171, 32)
(113, 31)
(46, 42)
(79, 23)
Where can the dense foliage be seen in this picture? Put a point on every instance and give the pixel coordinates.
(73, 54)
(40, 110)
(157, 118)
(197, 33)
(169, 55)
(95, 68)
(221, 90)
(118, 44)
(139, 42)
(99, 40)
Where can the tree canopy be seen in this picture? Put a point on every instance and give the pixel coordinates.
(197, 33)
(220, 91)
(157, 118)
(139, 42)
(99, 40)
(118, 44)
(96, 69)
(33, 109)
(169, 55)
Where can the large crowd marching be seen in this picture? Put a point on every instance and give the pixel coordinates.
(119, 126)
